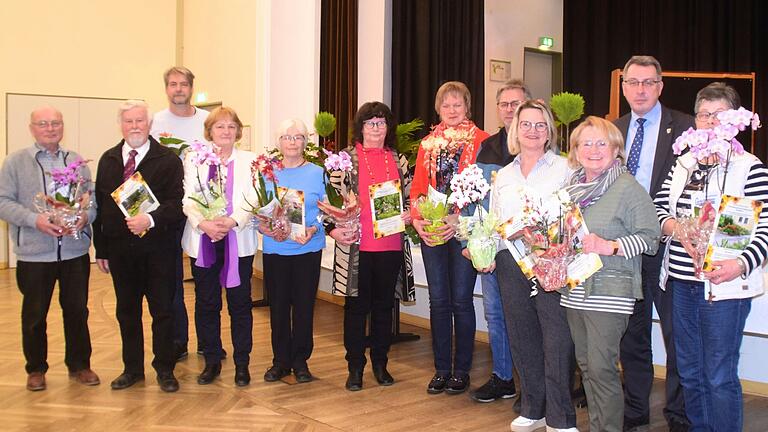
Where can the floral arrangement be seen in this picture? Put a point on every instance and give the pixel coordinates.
(268, 208)
(441, 148)
(342, 209)
(470, 187)
(567, 108)
(176, 145)
(549, 239)
(693, 233)
(720, 140)
(69, 198)
(210, 197)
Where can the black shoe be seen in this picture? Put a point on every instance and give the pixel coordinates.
(457, 384)
(634, 424)
(168, 382)
(180, 352)
(437, 384)
(303, 375)
(201, 351)
(210, 372)
(495, 388)
(242, 376)
(382, 376)
(517, 407)
(276, 373)
(355, 380)
(678, 426)
(126, 380)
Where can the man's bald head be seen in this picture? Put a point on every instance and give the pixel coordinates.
(47, 127)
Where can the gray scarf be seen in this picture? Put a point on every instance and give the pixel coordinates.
(586, 193)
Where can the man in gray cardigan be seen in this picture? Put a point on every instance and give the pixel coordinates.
(46, 252)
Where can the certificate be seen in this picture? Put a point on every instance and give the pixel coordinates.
(386, 208)
(134, 197)
(293, 204)
(736, 223)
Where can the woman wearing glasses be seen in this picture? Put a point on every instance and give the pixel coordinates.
(375, 271)
(538, 332)
(620, 217)
(292, 266)
(710, 308)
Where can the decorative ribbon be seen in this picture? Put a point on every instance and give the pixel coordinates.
(229, 277)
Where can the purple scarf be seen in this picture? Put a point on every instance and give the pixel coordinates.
(229, 277)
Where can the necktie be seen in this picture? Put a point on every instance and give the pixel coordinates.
(633, 160)
(130, 165)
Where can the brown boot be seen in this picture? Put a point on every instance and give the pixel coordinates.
(85, 377)
(36, 381)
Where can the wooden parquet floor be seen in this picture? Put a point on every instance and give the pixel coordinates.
(323, 405)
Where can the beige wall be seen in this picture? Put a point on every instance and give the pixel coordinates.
(104, 48)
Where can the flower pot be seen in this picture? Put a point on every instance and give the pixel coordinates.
(482, 250)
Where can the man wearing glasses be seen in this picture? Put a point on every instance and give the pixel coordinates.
(47, 252)
(649, 131)
(494, 155)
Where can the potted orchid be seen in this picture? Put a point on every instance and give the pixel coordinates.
(470, 187)
(343, 207)
(209, 195)
(707, 146)
(70, 196)
(268, 208)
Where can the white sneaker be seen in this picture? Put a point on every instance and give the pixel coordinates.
(551, 429)
(524, 424)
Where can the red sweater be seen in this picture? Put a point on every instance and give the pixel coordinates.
(419, 185)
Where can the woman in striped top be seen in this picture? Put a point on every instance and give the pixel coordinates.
(709, 313)
(620, 216)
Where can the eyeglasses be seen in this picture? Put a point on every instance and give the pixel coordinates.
(526, 126)
(703, 116)
(370, 124)
(648, 83)
(600, 144)
(294, 138)
(44, 124)
(509, 105)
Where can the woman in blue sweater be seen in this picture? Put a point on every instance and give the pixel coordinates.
(292, 293)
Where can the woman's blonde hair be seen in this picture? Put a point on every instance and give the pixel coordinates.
(609, 130)
(514, 145)
(457, 88)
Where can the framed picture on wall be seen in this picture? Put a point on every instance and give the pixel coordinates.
(245, 140)
(501, 70)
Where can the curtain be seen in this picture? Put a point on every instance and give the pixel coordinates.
(684, 35)
(434, 41)
(338, 65)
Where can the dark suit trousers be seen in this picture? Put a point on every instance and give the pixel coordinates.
(136, 275)
(36, 281)
(637, 357)
(208, 305)
(291, 281)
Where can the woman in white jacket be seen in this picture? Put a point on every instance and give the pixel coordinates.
(221, 248)
(709, 309)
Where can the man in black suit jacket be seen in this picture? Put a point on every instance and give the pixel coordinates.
(642, 86)
(141, 265)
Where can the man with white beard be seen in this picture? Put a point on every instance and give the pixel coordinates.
(138, 250)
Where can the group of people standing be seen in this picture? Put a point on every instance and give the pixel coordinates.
(627, 181)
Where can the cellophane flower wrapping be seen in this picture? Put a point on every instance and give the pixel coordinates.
(480, 230)
(693, 233)
(210, 195)
(435, 212)
(70, 197)
(268, 209)
(340, 208)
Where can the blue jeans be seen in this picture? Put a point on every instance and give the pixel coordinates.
(707, 340)
(497, 328)
(451, 280)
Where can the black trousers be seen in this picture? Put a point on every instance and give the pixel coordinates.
(291, 281)
(208, 306)
(135, 275)
(636, 355)
(377, 277)
(36, 281)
